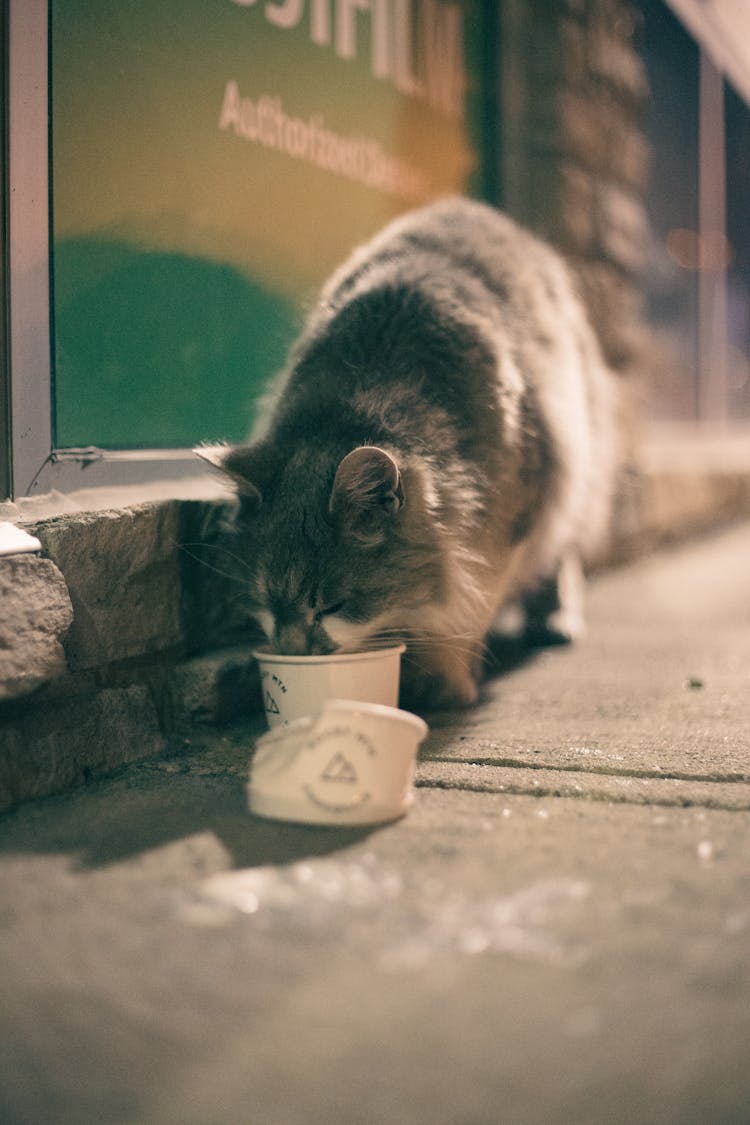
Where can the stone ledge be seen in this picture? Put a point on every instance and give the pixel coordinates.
(684, 484)
(50, 749)
(122, 571)
(36, 615)
(86, 723)
(127, 634)
(146, 579)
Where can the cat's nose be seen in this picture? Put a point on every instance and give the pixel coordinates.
(300, 639)
(293, 639)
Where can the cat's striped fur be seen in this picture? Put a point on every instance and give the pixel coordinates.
(442, 440)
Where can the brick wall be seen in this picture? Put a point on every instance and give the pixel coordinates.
(574, 158)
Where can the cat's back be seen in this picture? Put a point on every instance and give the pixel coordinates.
(503, 308)
(409, 320)
(451, 239)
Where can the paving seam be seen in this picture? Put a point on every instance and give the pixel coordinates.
(602, 771)
(645, 792)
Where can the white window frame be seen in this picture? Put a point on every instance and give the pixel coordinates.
(37, 467)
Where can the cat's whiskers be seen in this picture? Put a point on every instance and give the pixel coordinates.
(215, 547)
(216, 570)
(427, 642)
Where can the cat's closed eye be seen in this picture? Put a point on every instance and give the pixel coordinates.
(329, 610)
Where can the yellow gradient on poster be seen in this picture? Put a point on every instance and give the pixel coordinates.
(213, 160)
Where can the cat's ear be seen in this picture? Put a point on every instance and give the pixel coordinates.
(367, 485)
(247, 465)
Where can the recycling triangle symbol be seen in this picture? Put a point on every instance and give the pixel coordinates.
(339, 769)
(271, 705)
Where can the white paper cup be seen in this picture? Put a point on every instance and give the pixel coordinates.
(352, 763)
(294, 686)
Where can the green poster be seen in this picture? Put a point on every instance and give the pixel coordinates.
(212, 161)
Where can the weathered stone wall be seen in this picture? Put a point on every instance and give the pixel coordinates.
(126, 632)
(574, 158)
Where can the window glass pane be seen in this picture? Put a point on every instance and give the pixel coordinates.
(212, 161)
(738, 234)
(672, 63)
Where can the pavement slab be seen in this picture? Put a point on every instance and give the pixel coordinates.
(558, 931)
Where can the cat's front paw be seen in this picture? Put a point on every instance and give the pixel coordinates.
(452, 696)
(422, 691)
(554, 610)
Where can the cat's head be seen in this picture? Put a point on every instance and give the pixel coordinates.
(341, 550)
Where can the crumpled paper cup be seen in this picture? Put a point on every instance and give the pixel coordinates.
(294, 686)
(352, 763)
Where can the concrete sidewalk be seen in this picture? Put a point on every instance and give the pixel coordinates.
(558, 932)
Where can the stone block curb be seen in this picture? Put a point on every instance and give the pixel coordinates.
(36, 616)
(50, 749)
(122, 571)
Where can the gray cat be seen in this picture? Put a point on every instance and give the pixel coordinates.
(441, 445)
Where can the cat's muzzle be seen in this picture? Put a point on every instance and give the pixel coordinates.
(300, 639)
